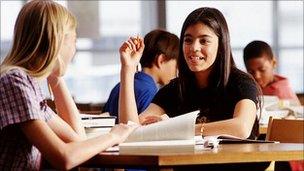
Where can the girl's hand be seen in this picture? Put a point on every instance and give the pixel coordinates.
(131, 52)
(122, 131)
(153, 118)
(56, 72)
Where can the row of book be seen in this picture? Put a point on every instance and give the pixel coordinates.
(96, 125)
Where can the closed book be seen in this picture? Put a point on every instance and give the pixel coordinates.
(97, 121)
(230, 139)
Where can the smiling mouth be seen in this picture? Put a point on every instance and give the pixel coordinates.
(195, 58)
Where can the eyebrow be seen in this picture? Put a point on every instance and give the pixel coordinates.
(262, 67)
(200, 36)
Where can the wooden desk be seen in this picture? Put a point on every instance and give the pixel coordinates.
(226, 153)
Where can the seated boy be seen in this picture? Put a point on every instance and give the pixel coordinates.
(159, 66)
(260, 63)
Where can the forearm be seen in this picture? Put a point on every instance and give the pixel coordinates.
(234, 126)
(127, 104)
(75, 153)
(240, 125)
(65, 105)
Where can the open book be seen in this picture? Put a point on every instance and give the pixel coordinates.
(214, 141)
(172, 134)
(273, 106)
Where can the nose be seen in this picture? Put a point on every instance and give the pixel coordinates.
(195, 46)
(257, 75)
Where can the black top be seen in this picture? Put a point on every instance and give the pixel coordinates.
(214, 105)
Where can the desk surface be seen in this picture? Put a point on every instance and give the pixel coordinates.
(225, 153)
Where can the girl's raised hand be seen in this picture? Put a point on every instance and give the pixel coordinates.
(131, 52)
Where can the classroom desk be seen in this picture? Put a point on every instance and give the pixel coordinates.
(225, 153)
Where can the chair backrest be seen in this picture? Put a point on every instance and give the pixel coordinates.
(301, 98)
(88, 108)
(285, 130)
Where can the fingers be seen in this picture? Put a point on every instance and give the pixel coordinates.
(133, 45)
(151, 119)
(136, 42)
(130, 126)
(141, 45)
(164, 117)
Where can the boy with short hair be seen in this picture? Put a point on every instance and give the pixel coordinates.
(260, 63)
(159, 66)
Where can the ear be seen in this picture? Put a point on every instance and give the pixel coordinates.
(274, 62)
(159, 60)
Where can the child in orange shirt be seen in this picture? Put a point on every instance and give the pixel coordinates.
(260, 63)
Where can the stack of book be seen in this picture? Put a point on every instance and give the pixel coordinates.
(96, 125)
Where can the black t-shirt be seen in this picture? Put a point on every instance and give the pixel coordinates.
(214, 105)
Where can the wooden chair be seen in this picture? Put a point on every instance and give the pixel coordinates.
(88, 108)
(285, 130)
(301, 98)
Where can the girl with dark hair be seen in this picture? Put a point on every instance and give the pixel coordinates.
(208, 80)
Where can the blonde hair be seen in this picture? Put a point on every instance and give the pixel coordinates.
(38, 35)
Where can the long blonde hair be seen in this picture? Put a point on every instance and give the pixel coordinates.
(38, 35)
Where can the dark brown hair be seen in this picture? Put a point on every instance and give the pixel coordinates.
(256, 49)
(159, 42)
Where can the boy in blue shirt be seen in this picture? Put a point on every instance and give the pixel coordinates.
(159, 66)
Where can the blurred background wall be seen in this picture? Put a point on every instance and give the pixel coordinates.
(104, 25)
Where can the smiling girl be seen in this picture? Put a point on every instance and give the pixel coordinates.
(208, 80)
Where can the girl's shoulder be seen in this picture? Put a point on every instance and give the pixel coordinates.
(14, 73)
(173, 83)
(16, 77)
(171, 88)
(238, 76)
(239, 80)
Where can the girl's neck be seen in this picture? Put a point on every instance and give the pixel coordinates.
(202, 78)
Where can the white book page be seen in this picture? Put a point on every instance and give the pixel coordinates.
(190, 142)
(84, 115)
(178, 128)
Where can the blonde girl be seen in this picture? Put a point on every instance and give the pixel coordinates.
(43, 45)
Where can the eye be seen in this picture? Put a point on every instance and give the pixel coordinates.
(204, 41)
(187, 40)
(262, 69)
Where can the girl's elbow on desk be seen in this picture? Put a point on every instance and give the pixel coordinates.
(243, 130)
